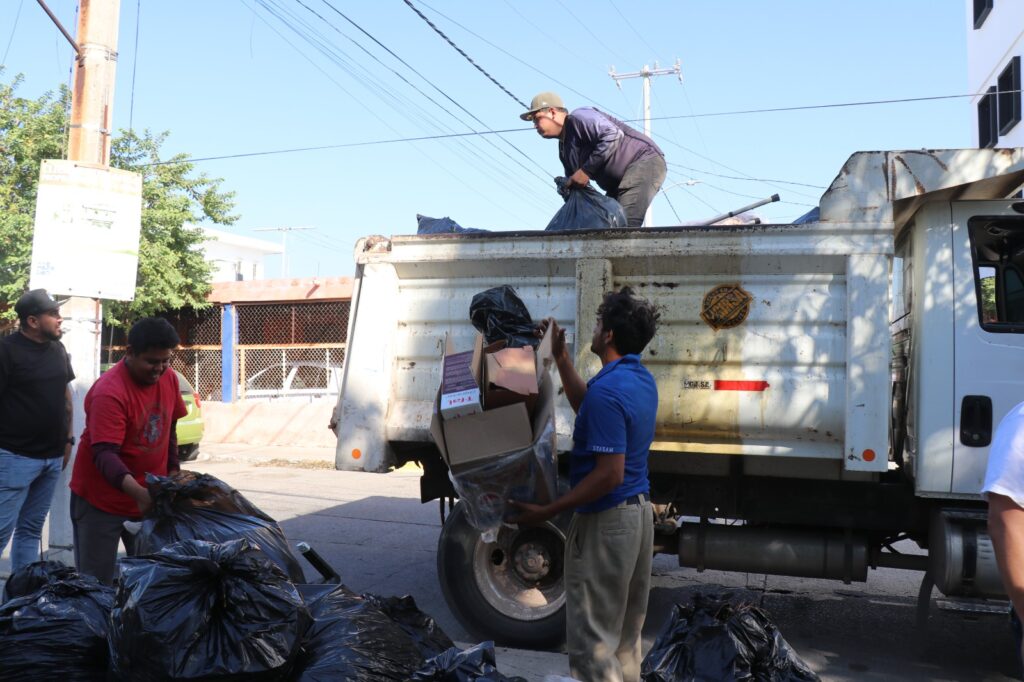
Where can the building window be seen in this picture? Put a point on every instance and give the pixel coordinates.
(981, 10)
(987, 123)
(1009, 96)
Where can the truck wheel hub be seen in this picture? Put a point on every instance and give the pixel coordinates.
(531, 562)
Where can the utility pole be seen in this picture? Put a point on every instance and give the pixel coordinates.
(284, 243)
(92, 103)
(646, 74)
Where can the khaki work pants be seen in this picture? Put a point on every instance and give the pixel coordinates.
(607, 578)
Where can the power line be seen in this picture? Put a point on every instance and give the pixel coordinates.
(827, 106)
(14, 29)
(737, 177)
(460, 51)
(505, 52)
(632, 28)
(334, 146)
(429, 82)
(410, 84)
(309, 35)
(135, 63)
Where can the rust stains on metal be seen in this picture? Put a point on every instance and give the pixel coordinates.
(726, 306)
(917, 183)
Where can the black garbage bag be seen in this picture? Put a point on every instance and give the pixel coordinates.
(426, 634)
(57, 632)
(352, 639)
(203, 611)
(30, 578)
(585, 209)
(475, 664)
(191, 506)
(500, 315)
(715, 639)
(428, 225)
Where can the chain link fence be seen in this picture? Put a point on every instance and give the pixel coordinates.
(283, 349)
(291, 349)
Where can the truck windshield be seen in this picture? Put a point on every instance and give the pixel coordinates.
(997, 248)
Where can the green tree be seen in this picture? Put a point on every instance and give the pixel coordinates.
(173, 272)
(30, 130)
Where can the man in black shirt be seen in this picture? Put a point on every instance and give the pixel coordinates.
(35, 423)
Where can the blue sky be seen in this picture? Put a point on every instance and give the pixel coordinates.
(228, 77)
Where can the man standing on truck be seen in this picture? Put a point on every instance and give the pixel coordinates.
(1004, 489)
(609, 546)
(130, 416)
(624, 162)
(35, 422)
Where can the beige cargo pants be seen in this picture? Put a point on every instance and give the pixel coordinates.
(607, 578)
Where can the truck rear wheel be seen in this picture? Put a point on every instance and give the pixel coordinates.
(509, 590)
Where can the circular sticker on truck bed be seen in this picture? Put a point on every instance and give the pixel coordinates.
(725, 306)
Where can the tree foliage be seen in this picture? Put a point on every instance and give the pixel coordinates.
(173, 272)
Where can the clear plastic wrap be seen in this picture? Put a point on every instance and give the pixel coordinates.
(528, 475)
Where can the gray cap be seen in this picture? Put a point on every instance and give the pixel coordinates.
(545, 100)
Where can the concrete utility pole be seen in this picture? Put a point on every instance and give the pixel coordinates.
(284, 243)
(92, 103)
(92, 100)
(646, 74)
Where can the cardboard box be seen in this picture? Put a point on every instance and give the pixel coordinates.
(509, 377)
(460, 388)
(476, 437)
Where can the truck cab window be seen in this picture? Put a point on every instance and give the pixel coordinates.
(997, 248)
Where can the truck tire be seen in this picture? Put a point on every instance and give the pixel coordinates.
(509, 590)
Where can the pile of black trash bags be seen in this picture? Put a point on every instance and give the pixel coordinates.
(217, 595)
(584, 209)
(716, 637)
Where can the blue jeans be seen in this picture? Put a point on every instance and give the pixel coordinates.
(26, 491)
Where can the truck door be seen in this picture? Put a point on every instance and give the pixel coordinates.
(988, 257)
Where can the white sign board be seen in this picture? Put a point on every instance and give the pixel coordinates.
(86, 241)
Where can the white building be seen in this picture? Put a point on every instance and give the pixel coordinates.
(995, 44)
(236, 258)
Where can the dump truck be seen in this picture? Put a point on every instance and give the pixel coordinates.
(827, 388)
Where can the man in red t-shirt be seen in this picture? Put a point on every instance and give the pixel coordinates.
(130, 415)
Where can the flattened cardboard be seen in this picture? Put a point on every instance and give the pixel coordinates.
(509, 377)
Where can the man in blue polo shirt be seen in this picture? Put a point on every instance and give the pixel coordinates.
(609, 548)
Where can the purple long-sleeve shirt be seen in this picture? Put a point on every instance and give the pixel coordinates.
(602, 146)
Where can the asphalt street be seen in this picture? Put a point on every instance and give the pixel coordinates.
(374, 531)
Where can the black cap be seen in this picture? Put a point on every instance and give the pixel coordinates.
(35, 302)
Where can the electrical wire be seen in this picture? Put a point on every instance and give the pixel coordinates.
(565, 86)
(135, 63)
(838, 105)
(367, 143)
(544, 179)
(639, 35)
(462, 52)
(306, 33)
(14, 29)
(736, 177)
(586, 28)
(428, 81)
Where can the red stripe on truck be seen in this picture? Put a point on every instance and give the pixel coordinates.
(721, 385)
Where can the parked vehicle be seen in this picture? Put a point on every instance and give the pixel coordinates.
(826, 388)
(293, 379)
(189, 430)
